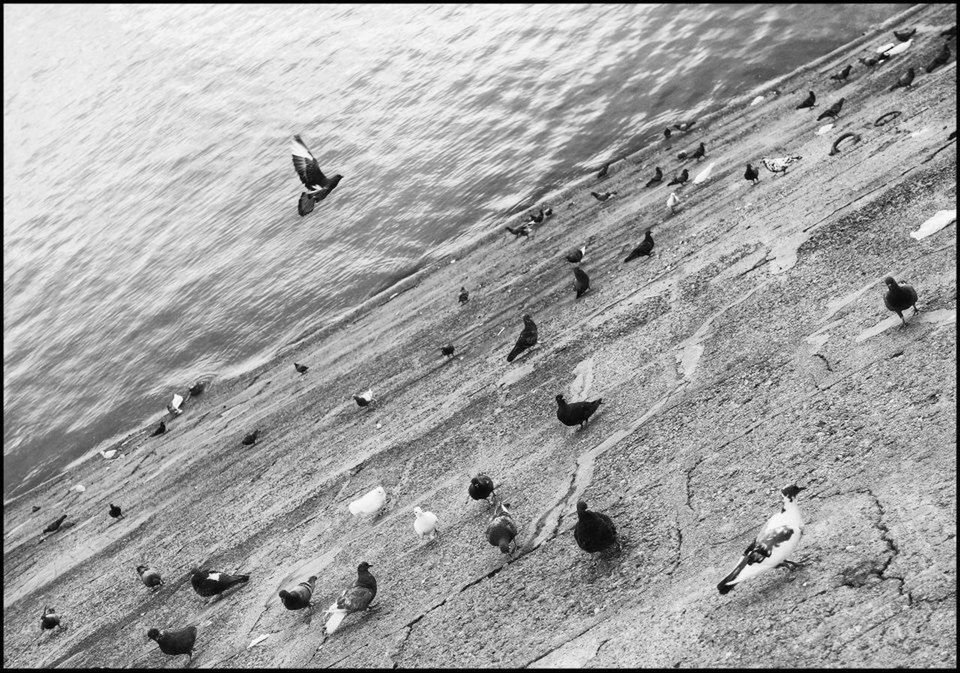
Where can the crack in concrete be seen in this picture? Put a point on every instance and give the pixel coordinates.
(825, 360)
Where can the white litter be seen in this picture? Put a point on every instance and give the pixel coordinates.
(174, 406)
(900, 48)
(79, 488)
(887, 47)
(370, 503)
(757, 100)
(705, 175)
(935, 224)
(258, 639)
(108, 454)
(824, 129)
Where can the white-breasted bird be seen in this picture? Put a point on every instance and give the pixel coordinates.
(369, 503)
(779, 164)
(363, 399)
(779, 538)
(174, 406)
(426, 524)
(673, 201)
(355, 598)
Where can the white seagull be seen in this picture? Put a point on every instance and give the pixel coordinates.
(426, 524)
(778, 539)
(370, 503)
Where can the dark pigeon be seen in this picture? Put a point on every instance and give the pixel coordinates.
(899, 298)
(832, 111)
(538, 218)
(527, 339)
(603, 171)
(447, 350)
(50, 619)
(115, 511)
(602, 197)
(213, 582)
(752, 174)
(577, 413)
(699, 153)
(680, 179)
(576, 256)
(318, 185)
(250, 439)
(481, 487)
(197, 388)
(950, 32)
(904, 35)
(682, 156)
(656, 179)
(940, 59)
(581, 281)
(54, 525)
(594, 530)
(355, 598)
(843, 74)
(808, 101)
(667, 133)
(906, 79)
(522, 230)
(298, 598)
(162, 428)
(302, 369)
(871, 61)
(36, 508)
(175, 642)
(502, 530)
(642, 250)
(149, 576)
(464, 296)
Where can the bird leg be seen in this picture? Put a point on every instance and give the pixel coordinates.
(900, 313)
(792, 565)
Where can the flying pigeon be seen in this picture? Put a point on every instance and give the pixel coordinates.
(481, 487)
(832, 111)
(54, 525)
(950, 32)
(174, 406)
(656, 179)
(176, 642)
(680, 179)
(603, 171)
(752, 174)
(667, 133)
(447, 350)
(940, 59)
(149, 576)
(370, 502)
(576, 255)
(602, 197)
(536, 219)
(301, 368)
(904, 35)
(899, 298)
(843, 74)
(672, 202)
(699, 153)
(197, 388)
(808, 101)
(581, 281)
(298, 597)
(50, 619)
(425, 524)
(527, 339)
(464, 296)
(577, 413)
(213, 582)
(778, 539)
(115, 511)
(353, 599)
(684, 126)
(779, 164)
(522, 230)
(594, 530)
(318, 185)
(251, 438)
(906, 79)
(502, 531)
(642, 250)
(364, 399)
(162, 428)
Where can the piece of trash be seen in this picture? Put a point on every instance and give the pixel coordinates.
(921, 132)
(258, 639)
(108, 454)
(935, 224)
(453, 260)
(174, 406)
(899, 49)
(379, 425)
(392, 296)
(824, 129)
(757, 100)
(705, 175)
(79, 488)
(887, 47)
(370, 503)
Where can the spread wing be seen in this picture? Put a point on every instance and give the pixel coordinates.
(306, 165)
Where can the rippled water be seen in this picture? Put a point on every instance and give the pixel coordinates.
(150, 225)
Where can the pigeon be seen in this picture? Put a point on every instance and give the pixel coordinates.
(872, 61)
(950, 32)
(679, 179)
(298, 598)
(502, 531)
(318, 185)
(547, 212)
(197, 388)
(672, 202)
(581, 281)
(447, 350)
(642, 250)
(699, 153)
(594, 530)
(905, 80)
(36, 508)
(904, 35)
(667, 133)
(162, 428)
(370, 502)
(527, 338)
(174, 406)
(481, 487)
(576, 256)
(522, 230)
(602, 197)
(213, 582)
(301, 368)
(779, 164)
(684, 126)
(899, 298)
(752, 174)
(115, 511)
(940, 59)
(808, 101)
(426, 524)
(832, 111)
(353, 599)
(843, 74)
(364, 399)
(54, 525)
(656, 179)
(50, 619)
(176, 642)
(464, 296)
(536, 219)
(577, 413)
(603, 171)
(778, 539)
(682, 156)
(251, 438)
(149, 576)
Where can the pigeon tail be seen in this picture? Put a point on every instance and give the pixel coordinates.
(514, 353)
(727, 584)
(337, 615)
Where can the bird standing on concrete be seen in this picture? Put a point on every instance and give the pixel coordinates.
(425, 524)
(843, 74)
(298, 597)
(464, 296)
(54, 525)
(364, 399)
(779, 164)
(776, 541)
(905, 79)
(502, 530)
(162, 428)
(667, 133)
(594, 530)
(699, 153)
(522, 230)
(644, 249)
(832, 111)
(149, 576)
(577, 413)
(302, 369)
(576, 256)
(115, 511)
(527, 338)
(680, 179)
(318, 185)
(603, 171)
(481, 487)
(536, 219)
(50, 619)
(808, 101)
(672, 202)
(209, 583)
(355, 598)
(175, 642)
(251, 438)
(370, 502)
(899, 298)
(656, 179)
(940, 59)
(581, 281)
(752, 174)
(447, 350)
